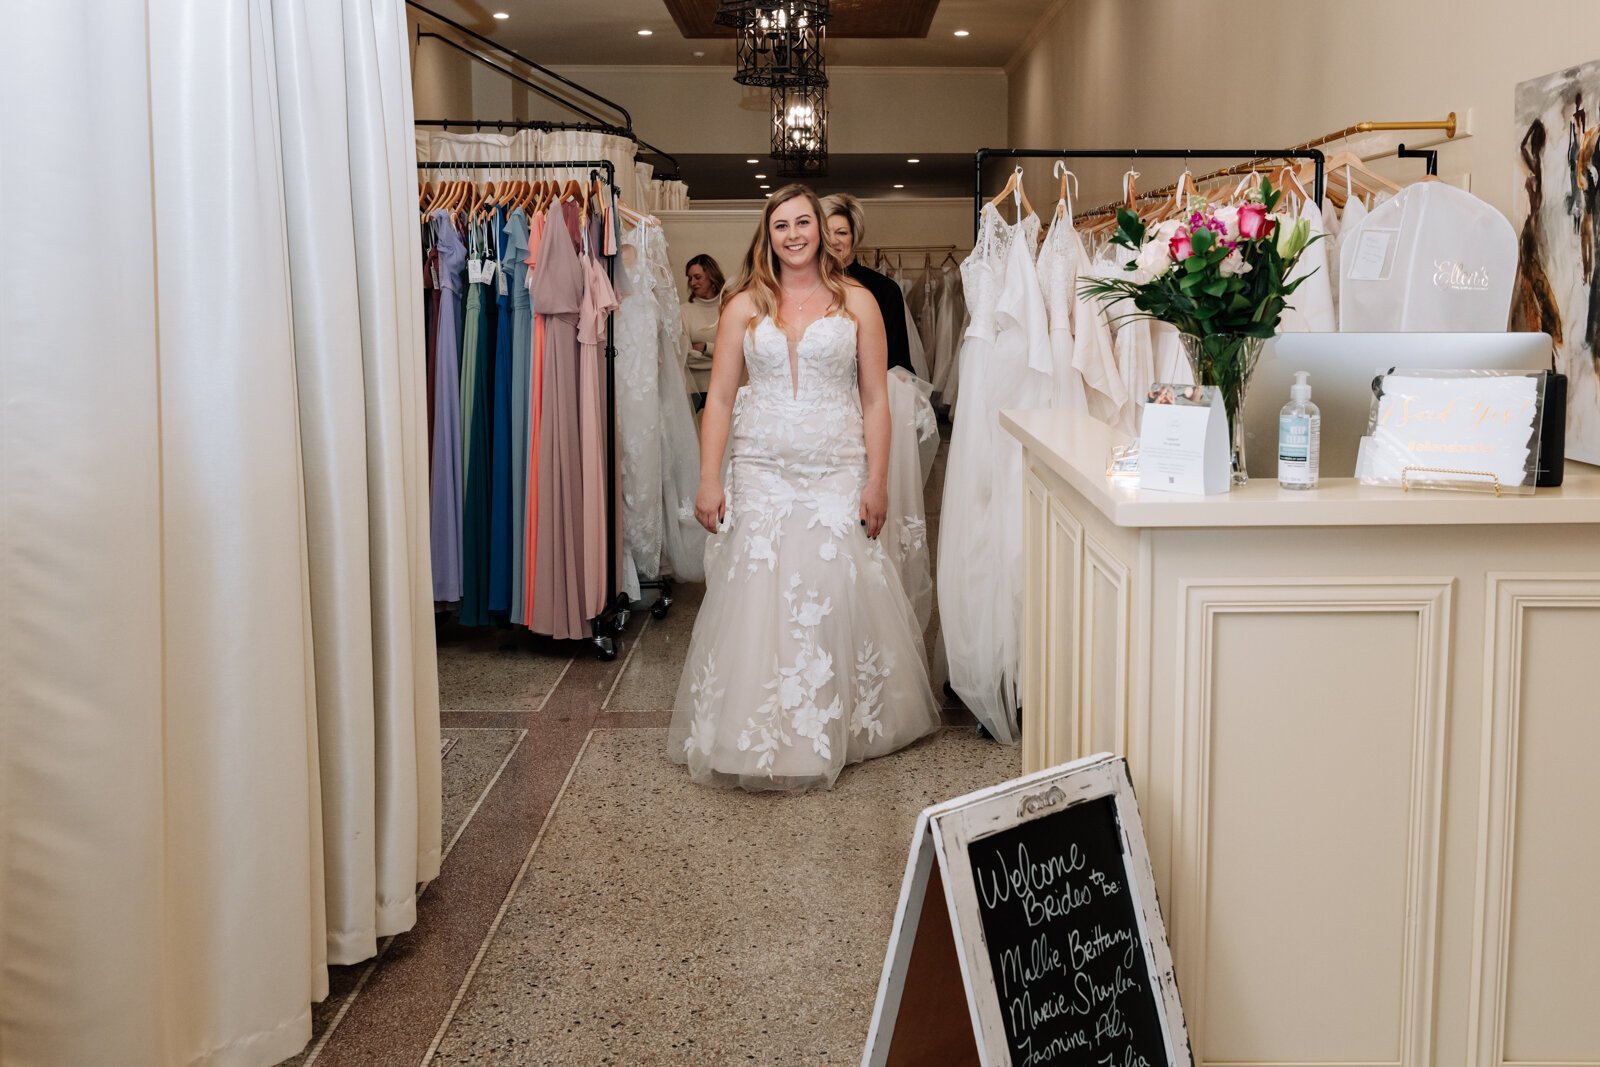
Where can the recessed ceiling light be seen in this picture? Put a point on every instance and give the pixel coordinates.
(760, 176)
(913, 161)
(766, 187)
(962, 33)
(899, 187)
(699, 55)
(501, 15)
(769, 196)
(646, 33)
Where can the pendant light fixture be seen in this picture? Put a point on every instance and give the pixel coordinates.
(778, 43)
(800, 131)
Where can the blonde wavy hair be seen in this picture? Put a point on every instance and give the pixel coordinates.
(759, 276)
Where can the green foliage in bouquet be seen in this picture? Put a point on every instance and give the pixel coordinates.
(1219, 270)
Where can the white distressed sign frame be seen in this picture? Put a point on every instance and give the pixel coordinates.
(940, 861)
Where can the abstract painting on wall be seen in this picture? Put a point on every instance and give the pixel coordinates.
(1557, 215)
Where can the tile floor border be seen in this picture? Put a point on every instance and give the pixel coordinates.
(505, 905)
(633, 646)
(383, 947)
(350, 999)
(522, 735)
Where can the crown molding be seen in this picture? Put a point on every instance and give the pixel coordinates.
(1040, 28)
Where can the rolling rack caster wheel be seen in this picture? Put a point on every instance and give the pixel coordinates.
(658, 610)
(605, 647)
(619, 621)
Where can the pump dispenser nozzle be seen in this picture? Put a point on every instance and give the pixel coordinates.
(1301, 389)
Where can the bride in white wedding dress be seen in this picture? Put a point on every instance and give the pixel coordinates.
(806, 654)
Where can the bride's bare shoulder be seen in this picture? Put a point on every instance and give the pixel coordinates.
(739, 309)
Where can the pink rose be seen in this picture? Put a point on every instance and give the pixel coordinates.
(1181, 246)
(1253, 221)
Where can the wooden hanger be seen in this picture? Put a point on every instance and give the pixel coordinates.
(1345, 173)
(1014, 189)
(1179, 204)
(1063, 198)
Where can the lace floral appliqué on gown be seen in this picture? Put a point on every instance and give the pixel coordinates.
(807, 654)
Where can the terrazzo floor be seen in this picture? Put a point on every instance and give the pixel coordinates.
(595, 907)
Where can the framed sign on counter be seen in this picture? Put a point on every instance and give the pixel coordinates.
(1028, 932)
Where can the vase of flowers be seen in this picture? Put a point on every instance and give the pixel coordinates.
(1220, 274)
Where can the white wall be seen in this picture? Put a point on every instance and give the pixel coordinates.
(723, 229)
(442, 81)
(1109, 73)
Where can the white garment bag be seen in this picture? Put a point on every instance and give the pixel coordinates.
(1433, 258)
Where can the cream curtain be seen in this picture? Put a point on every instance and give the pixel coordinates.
(218, 698)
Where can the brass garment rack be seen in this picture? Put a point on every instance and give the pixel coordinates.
(1311, 154)
(1447, 125)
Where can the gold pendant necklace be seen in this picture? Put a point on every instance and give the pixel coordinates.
(801, 306)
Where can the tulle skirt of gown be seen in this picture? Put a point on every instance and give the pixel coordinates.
(807, 654)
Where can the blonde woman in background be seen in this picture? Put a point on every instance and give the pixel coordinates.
(845, 226)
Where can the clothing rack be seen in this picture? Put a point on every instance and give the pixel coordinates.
(500, 125)
(877, 253)
(616, 614)
(1131, 154)
(1447, 125)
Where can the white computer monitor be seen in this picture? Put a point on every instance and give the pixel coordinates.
(1342, 367)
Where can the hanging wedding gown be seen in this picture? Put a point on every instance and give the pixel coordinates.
(656, 438)
(1006, 362)
(913, 444)
(806, 654)
(951, 323)
(1058, 263)
(638, 413)
(1094, 352)
(683, 543)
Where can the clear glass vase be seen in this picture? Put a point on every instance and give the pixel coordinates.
(1226, 361)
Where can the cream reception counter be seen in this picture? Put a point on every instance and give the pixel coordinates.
(1364, 729)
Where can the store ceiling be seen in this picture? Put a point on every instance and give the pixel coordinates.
(846, 18)
(588, 32)
(723, 177)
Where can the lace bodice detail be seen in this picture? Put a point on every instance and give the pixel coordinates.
(1058, 273)
(826, 358)
(983, 272)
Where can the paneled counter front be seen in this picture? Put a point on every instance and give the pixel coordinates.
(1364, 730)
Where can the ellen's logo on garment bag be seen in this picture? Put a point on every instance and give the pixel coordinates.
(1448, 274)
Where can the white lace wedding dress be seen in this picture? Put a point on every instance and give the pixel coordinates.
(807, 654)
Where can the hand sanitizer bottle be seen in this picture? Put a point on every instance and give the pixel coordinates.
(1299, 437)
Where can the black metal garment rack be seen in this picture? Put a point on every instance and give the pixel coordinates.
(985, 154)
(615, 617)
(590, 98)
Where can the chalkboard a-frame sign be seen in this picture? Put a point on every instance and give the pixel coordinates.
(1028, 933)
